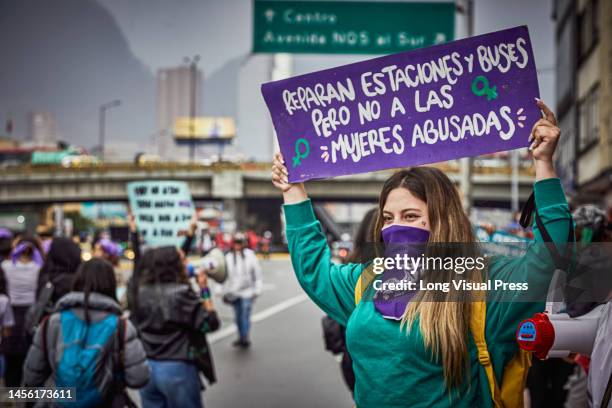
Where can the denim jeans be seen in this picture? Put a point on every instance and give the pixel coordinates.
(242, 309)
(172, 384)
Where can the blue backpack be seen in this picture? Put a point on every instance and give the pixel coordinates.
(85, 355)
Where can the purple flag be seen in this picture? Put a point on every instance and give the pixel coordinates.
(459, 99)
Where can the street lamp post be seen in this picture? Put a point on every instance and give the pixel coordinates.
(466, 29)
(102, 125)
(193, 71)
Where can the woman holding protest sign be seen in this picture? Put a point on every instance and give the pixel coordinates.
(425, 353)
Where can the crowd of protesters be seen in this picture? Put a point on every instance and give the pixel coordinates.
(62, 325)
(54, 306)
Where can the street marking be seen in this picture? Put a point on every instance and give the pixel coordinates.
(279, 307)
(258, 317)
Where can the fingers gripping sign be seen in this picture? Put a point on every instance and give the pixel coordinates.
(292, 193)
(280, 173)
(544, 134)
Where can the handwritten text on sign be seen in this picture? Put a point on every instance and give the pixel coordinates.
(163, 209)
(460, 99)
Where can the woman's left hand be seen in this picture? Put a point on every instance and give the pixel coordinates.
(544, 135)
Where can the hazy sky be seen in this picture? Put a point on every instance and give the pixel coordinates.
(70, 56)
(162, 32)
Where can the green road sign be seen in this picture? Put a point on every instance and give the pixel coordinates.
(350, 27)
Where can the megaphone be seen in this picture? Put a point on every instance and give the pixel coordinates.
(550, 335)
(554, 334)
(214, 265)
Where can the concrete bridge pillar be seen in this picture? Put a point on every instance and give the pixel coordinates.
(235, 212)
(228, 186)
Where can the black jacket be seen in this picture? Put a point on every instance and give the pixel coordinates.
(168, 317)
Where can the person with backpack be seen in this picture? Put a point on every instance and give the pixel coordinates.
(21, 271)
(431, 348)
(173, 322)
(243, 285)
(86, 344)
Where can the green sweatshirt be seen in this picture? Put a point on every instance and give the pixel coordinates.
(392, 366)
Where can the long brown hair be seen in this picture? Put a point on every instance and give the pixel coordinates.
(443, 319)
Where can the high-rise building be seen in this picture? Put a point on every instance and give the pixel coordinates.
(174, 99)
(42, 129)
(584, 98)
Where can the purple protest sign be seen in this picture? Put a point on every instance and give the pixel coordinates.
(459, 99)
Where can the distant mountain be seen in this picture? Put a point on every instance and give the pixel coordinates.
(68, 57)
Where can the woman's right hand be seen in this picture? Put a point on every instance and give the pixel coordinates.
(292, 192)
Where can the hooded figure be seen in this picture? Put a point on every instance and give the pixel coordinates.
(63, 259)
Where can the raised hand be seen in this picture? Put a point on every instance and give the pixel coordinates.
(544, 139)
(292, 192)
(280, 175)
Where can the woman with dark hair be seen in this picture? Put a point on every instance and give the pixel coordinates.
(21, 271)
(173, 322)
(86, 344)
(61, 264)
(421, 347)
(54, 280)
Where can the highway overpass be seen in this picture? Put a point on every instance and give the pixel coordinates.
(46, 185)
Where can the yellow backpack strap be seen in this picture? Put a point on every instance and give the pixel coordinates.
(477, 327)
(515, 377)
(358, 291)
(366, 277)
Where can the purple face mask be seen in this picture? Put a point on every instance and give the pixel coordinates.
(399, 240)
(404, 234)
